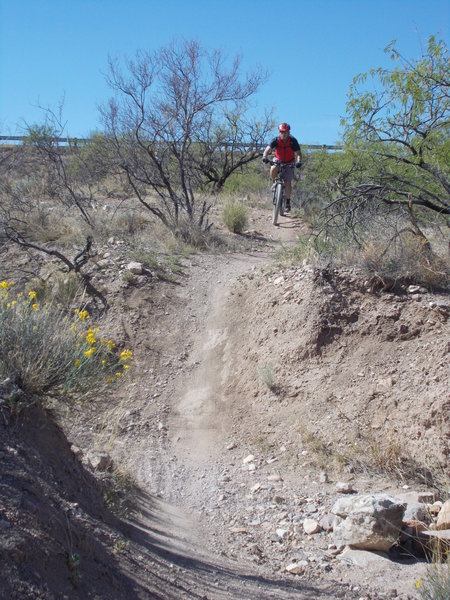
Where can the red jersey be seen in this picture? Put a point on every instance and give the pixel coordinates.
(285, 151)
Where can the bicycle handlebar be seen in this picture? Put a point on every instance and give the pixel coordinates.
(275, 161)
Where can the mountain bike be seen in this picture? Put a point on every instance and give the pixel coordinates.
(278, 193)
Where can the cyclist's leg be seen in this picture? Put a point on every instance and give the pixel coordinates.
(274, 172)
(288, 188)
(287, 192)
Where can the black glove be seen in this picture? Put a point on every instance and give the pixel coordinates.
(298, 164)
(265, 159)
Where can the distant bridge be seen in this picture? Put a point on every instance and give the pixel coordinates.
(15, 140)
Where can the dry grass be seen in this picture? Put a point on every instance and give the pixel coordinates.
(235, 216)
(407, 257)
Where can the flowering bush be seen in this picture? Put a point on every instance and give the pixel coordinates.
(44, 352)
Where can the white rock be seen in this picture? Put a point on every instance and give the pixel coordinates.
(274, 478)
(135, 267)
(281, 533)
(368, 521)
(344, 487)
(311, 526)
(443, 521)
(297, 568)
(248, 459)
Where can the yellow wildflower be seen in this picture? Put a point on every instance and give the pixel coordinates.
(90, 337)
(419, 583)
(35, 306)
(4, 285)
(77, 363)
(126, 355)
(126, 367)
(111, 345)
(89, 352)
(108, 380)
(103, 362)
(32, 295)
(118, 374)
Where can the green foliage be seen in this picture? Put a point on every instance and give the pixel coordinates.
(235, 216)
(397, 131)
(250, 179)
(44, 352)
(382, 201)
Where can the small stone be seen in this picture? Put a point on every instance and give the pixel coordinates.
(281, 533)
(135, 267)
(344, 487)
(248, 459)
(323, 477)
(238, 529)
(297, 568)
(311, 526)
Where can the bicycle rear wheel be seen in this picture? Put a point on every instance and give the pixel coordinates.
(277, 204)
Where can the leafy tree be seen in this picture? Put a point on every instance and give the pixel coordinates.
(397, 133)
(178, 127)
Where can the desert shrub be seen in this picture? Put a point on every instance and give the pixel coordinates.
(130, 222)
(251, 179)
(436, 584)
(194, 236)
(235, 216)
(409, 257)
(58, 288)
(388, 252)
(268, 375)
(46, 352)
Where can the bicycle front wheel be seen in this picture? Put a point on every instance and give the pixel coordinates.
(277, 204)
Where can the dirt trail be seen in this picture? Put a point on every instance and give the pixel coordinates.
(181, 457)
(181, 463)
(220, 527)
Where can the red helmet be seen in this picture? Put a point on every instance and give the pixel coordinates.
(284, 127)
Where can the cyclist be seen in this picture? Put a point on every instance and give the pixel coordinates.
(287, 150)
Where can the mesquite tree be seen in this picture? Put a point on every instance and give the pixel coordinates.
(178, 126)
(398, 131)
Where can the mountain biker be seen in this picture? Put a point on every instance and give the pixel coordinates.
(287, 150)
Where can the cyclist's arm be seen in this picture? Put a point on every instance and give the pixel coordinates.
(296, 148)
(267, 151)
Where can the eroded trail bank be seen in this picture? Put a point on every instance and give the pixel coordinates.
(259, 386)
(261, 391)
(184, 441)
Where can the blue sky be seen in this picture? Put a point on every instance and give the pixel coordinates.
(50, 49)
